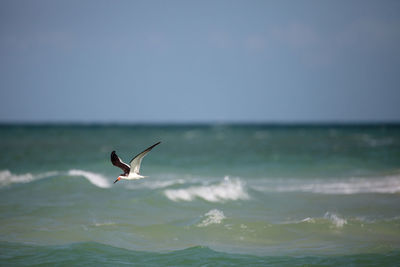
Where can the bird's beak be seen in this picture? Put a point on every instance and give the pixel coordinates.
(119, 178)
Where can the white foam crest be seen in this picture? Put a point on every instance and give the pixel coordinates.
(308, 219)
(95, 178)
(7, 178)
(97, 224)
(214, 216)
(226, 190)
(338, 221)
(383, 185)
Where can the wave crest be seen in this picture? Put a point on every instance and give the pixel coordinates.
(381, 185)
(226, 190)
(94, 178)
(7, 178)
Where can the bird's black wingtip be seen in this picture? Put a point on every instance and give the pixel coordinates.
(150, 148)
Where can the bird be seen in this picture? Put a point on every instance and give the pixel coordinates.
(130, 172)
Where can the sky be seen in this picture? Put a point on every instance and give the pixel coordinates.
(199, 61)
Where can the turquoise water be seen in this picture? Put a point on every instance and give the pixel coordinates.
(221, 195)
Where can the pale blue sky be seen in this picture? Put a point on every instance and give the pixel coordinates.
(199, 61)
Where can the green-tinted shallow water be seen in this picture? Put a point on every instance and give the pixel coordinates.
(215, 196)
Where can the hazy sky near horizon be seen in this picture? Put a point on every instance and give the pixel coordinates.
(199, 61)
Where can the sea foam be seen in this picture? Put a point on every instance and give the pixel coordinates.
(338, 221)
(335, 219)
(382, 185)
(95, 178)
(7, 178)
(226, 190)
(214, 216)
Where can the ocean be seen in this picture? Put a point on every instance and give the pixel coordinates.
(216, 195)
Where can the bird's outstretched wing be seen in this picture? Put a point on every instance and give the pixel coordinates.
(116, 161)
(137, 160)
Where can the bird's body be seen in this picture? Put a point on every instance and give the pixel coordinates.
(131, 172)
(133, 176)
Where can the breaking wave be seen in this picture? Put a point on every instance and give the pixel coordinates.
(7, 178)
(382, 185)
(226, 190)
(95, 178)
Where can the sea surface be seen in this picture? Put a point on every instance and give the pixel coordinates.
(216, 195)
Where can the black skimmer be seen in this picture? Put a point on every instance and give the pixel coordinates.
(130, 172)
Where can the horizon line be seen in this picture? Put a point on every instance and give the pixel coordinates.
(205, 123)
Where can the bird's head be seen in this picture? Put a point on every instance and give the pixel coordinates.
(119, 178)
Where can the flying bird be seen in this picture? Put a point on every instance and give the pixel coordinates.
(130, 172)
